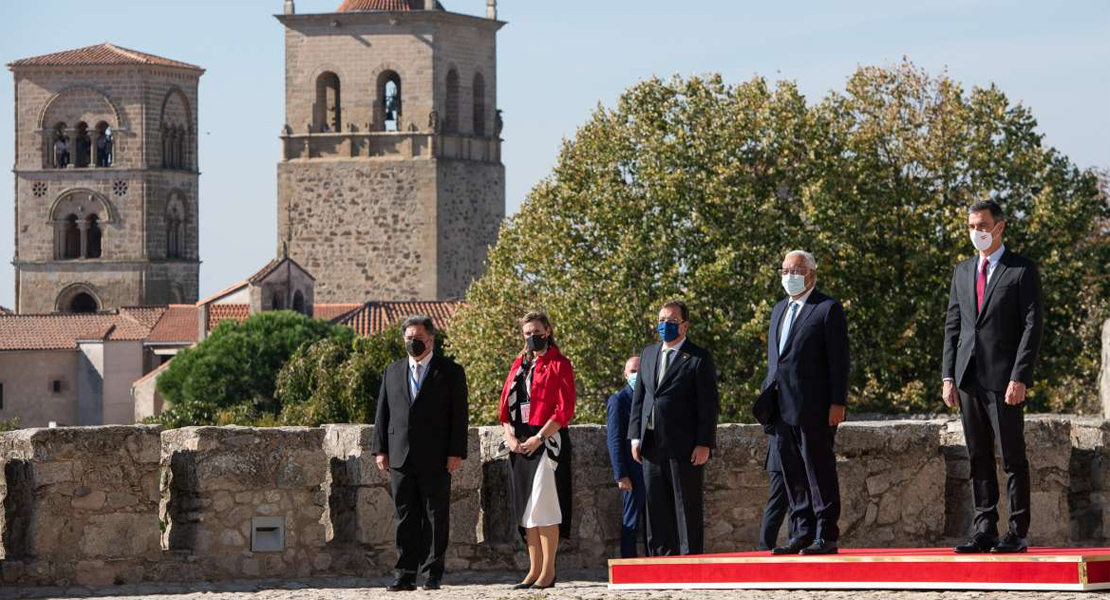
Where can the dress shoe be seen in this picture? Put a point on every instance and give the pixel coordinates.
(980, 542)
(820, 547)
(401, 585)
(524, 586)
(792, 546)
(544, 587)
(433, 583)
(1010, 544)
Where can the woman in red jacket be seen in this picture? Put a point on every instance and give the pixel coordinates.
(537, 404)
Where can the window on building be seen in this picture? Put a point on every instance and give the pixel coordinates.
(479, 105)
(56, 386)
(327, 112)
(83, 303)
(82, 144)
(92, 237)
(71, 238)
(59, 147)
(102, 146)
(298, 302)
(452, 124)
(389, 93)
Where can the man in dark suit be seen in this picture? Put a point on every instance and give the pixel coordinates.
(807, 363)
(628, 473)
(420, 435)
(673, 426)
(992, 335)
(774, 512)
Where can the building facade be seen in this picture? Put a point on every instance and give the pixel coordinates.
(391, 184)
(106, 181)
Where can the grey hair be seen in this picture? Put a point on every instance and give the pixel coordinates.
(811, 262)
(423, 320)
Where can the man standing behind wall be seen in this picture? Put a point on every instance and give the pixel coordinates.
(992, 335)
(420, 435)
(807, 363)
(673, 426)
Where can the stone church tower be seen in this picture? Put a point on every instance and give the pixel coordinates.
(105, 180)
(391, 185)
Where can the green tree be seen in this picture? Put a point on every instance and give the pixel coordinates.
(692, 188)
(230, 376)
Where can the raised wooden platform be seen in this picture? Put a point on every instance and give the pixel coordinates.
(1062, 569)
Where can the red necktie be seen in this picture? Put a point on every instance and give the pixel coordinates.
(981, 284)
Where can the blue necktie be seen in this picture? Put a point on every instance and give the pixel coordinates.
(787, 325)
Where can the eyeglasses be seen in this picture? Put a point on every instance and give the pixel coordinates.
(794, 271)
(672, 321)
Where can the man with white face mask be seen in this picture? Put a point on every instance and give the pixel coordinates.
(992, 335)
(807, 365)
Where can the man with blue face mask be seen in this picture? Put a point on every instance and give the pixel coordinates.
(807, 365)
(673, 426)
(627, 473)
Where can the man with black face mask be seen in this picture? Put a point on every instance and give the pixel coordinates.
(420, 435)
(673, 426)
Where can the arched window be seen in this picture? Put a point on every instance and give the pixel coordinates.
(82, 303)
(82, 146)
(92, 237)
(298, 302)
(389, 94)
(327, 112)
(102, 145)
(452, 124)
(278, 301)
(71, 238)
(479, 105)
(59, 147)
(182, 137)
(168, 134)
(175, 229)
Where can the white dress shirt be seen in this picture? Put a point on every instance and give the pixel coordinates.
(414, 383)
(800, 302)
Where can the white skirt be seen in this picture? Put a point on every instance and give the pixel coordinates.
(543, 509)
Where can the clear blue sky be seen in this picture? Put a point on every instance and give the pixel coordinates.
(558, 60)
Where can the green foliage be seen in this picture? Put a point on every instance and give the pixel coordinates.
(230, 376)
(695, 189)
(9, 424)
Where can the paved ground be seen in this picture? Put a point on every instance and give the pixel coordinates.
(583, 585)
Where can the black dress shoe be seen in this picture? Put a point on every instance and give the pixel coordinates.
(980, 542)
(401, 585)
(523, 586)
(1010, 544)
(433, 583)
(793, 546)
(544, 587)
(820, 547)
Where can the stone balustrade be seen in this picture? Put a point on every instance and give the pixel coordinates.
(103, 505)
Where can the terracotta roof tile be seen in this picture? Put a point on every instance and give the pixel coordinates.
(331, 312)
(62, 331)
(178, 325)
(224, 292)
(375, 317)
(218, 313)
(99, 55)
(378, 5)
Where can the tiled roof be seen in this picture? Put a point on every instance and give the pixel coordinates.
(331, 312)
(375, 317)
(217, 313)
(99, 55)
(224, 292)
(378, 5)
(178, 325)
(62, 331)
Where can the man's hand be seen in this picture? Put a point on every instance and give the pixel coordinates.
(700, 455)
(383, 462)
(636, 456)
(949, 395)
(625, 484)
(453, 463)
(531, 445)
(1015, 393)
(836, 414)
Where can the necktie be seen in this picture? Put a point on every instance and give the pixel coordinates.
(787, 325)
(981, 285)
(416, 380)
(666, 363)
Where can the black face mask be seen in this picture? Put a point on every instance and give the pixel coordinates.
(415, 347)
(537, 343)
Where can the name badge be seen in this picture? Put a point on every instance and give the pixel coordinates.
(525, 412)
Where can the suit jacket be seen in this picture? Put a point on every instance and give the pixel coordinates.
(685, 401)
(812, 371)
(424, 432)
(617, 412)
(1005, 336)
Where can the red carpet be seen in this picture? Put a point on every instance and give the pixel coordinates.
(1064, 569)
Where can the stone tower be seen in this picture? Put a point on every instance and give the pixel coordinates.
(391, 185)
(105, 180)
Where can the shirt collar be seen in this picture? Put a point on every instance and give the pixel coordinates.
(675, 347)
(994, 256)
(802, 300)
(423, 362)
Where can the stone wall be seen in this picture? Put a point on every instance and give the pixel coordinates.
(1104, 376)
(83, 505)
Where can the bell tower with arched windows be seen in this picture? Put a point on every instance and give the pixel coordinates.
(106, 180)
(391, 185)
